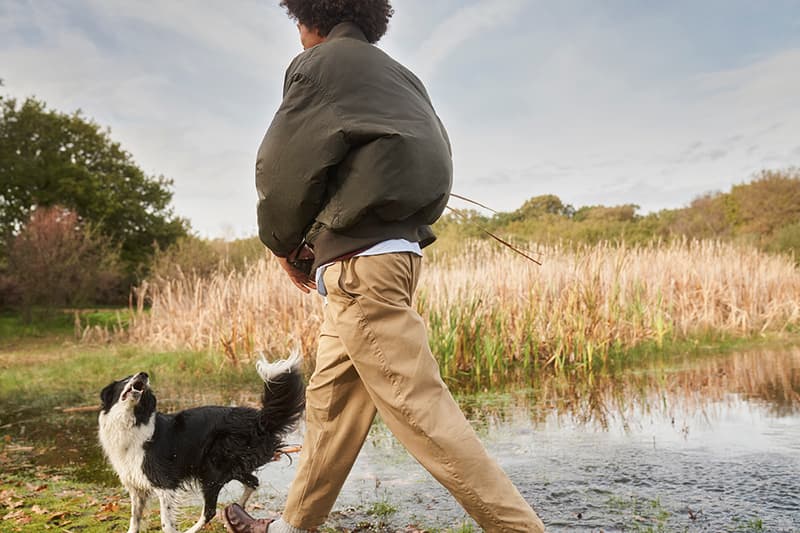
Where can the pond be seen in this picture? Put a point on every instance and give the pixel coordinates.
(710, 444)
(687, 444)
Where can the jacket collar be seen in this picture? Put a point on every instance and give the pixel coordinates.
(346, 29)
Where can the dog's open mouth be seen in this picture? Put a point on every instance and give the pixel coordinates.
(136, 387)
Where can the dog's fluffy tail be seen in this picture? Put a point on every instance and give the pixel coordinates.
(284, 397)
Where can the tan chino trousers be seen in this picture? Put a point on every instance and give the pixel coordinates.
(373, 355)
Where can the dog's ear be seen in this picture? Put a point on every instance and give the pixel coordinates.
(107, 396)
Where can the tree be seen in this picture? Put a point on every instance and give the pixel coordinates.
(546, 204)
(55, 260)
(767, 203)
(601, 213)
(50, 158)
(706, 217)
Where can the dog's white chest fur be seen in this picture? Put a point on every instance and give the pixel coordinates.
(123, 443)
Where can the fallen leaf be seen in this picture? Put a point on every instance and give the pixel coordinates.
(13, 514)
(110, 507)
(13, 504)
(18, 516)
(36, 488)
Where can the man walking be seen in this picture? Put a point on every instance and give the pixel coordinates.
(353, 170)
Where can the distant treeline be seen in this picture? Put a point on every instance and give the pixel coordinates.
(764, 213)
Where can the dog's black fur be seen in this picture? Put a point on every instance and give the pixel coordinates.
(209, 446)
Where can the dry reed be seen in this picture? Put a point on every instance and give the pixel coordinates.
(494, 316)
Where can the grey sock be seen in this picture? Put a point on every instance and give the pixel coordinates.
(279, 526)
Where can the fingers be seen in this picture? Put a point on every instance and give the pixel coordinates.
(300, 279)
(300, 286)
(302, 282)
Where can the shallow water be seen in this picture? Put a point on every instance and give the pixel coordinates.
(710, 445)
(690, 444)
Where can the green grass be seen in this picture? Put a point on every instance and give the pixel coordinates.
(645, 516)
(382, 509)
(57, 325)
(77, 374)
(42, 501)
(14, 327)
(752, 525)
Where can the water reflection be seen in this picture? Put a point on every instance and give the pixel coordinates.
(671, 388)
(689, 444)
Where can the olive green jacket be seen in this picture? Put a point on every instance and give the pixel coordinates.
(355, 154)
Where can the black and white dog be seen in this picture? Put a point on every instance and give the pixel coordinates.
(163, 454)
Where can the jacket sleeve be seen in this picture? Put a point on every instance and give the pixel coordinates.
(304, 140)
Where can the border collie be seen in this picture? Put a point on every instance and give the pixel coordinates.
(162, 454)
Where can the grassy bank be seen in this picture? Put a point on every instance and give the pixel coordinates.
(52, 472)
(53, 476)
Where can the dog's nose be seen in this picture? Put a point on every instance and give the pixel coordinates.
(143, 375)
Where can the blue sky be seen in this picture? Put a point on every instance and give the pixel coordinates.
(598, 102)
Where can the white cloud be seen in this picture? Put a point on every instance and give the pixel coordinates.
(693, 135)
(575, 106)
(187, 87)
(463, 24)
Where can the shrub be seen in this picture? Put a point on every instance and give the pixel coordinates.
(188, 255)
(57, 261)
(767, 203)
(193, 256)
(787, 240)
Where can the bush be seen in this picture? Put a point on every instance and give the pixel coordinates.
(201, 257)
(767, 203)
(50, 158)
(240, 253)
(188, 255)
(787, 240)
(57, 261)
(707, 217)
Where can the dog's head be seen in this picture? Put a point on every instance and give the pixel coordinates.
(130, 394)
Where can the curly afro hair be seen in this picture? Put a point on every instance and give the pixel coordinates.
(372, 16)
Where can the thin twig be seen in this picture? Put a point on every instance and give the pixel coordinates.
(80, 409)
(454, 195)
(495, 237)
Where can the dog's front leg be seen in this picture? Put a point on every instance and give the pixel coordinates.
(168, 501)
(138, 504)
(210, 495)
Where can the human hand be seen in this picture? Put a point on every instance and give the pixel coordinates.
(301, 280)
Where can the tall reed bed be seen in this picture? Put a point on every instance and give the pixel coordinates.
(493, 316)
